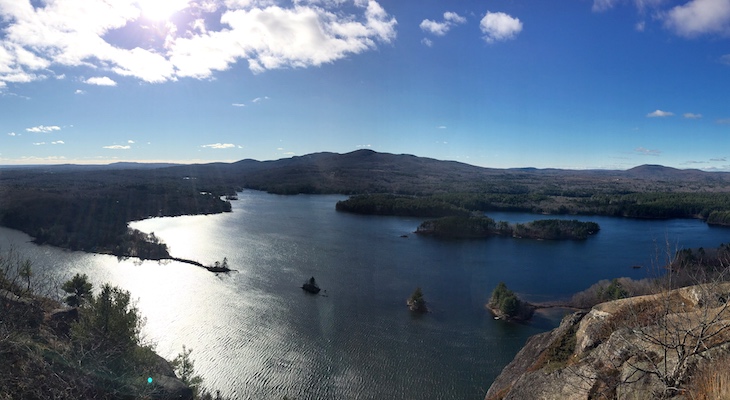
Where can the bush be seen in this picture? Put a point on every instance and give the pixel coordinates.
(185, 370)
(109, 327)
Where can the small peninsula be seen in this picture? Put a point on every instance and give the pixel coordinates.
(505, 304)
(482, 226)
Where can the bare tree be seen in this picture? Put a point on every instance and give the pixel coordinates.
(649, 346)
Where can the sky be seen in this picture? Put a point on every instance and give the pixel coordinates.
(577, 84)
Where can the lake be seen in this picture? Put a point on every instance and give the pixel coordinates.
(256, 334)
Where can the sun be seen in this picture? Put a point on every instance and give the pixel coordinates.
(161, 10)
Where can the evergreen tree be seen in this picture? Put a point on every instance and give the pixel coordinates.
(79, 290)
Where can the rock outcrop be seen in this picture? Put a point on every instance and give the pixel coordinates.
(636, 348)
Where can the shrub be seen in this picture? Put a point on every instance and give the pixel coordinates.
(185, 369)
(110, 326)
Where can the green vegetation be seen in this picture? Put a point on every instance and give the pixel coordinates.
(559, 352)
(711, 206)
(719, 218)
(90, 210)
(416, 302)
(410, 206)
(556, 229)
(459, 227)
(185, 370)
(78, 289)
(505, 304)
(91, 351)
(614, 291)
(480, 226)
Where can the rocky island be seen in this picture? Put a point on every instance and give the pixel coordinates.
(504, 304)
(416, 302)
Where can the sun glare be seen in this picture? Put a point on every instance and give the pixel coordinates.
(160, 10)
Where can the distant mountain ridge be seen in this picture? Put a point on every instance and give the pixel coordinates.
(368, 171)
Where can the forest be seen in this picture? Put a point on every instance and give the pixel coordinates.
(660, 205)
(89, 207)
(480, 226)
(90, 211)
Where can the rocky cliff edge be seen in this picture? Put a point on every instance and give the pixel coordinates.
(654, 346)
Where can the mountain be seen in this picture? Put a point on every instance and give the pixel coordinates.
(367, 171)
(651, 171)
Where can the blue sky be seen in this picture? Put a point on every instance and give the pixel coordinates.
(495, 83)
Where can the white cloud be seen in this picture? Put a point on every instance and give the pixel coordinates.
(659, 114)
(441, 28)
(117, 147)
(436, 28)
(454, 18)
(13, 134)
(39, 143)
(691, 19)
(43, 129)
(219, 146)
(79, 91)
(260, 99)
(58, 142)
(498, 26)
(130, 141)
(100, 81)
(603, 5)
(238, 105)
(647, 152)
(267, 34)
(698, 17)
(692, 115)
(641, 5)
(276, 37)
(427, 42)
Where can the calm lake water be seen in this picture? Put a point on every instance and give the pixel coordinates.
(255, 334)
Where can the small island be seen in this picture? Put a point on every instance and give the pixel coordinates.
(310, 286)
(505, 305)
(416, 303)
(475, 226)
(219, 266)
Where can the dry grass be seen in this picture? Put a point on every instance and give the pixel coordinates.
(711, 382)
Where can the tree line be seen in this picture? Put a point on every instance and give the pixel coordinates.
(86, 212)
(476, 226)
(713, 207)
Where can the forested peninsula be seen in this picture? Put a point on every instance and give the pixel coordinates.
(89, 207)
(481, 227)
